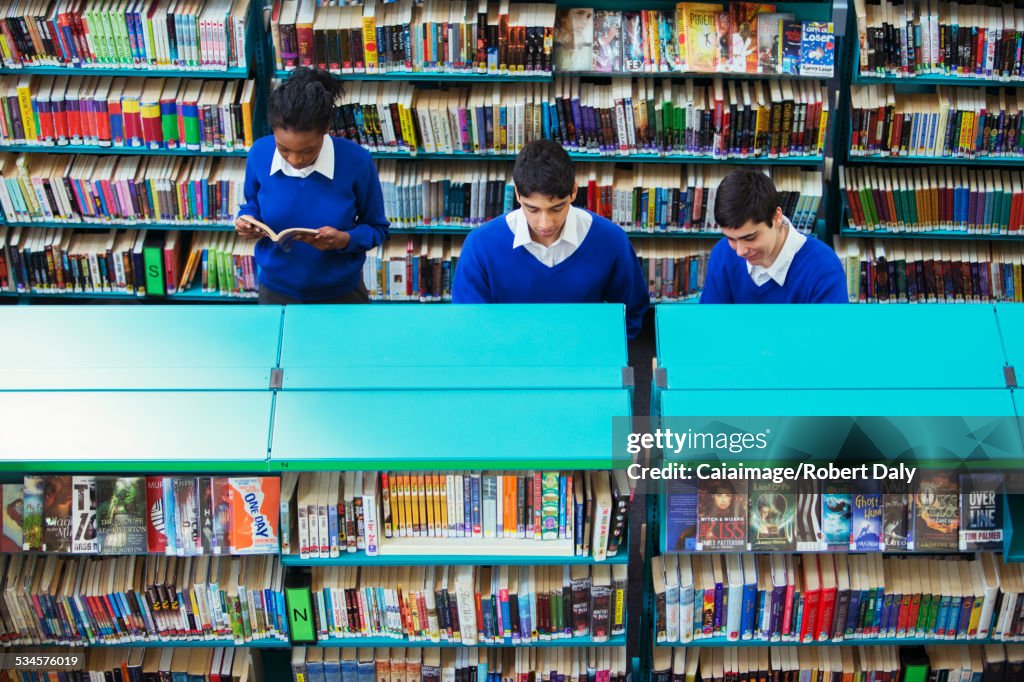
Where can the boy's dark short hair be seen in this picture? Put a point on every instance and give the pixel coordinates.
(745, 195)
(544, 168)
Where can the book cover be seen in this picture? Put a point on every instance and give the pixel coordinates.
(895, 515)
(670, 55)
(809, 536)
(936, 512)
(574, 38)
(702, 46)
(32, 530)
(632, 42)
(83, 515)
(772, 515)
(186, 515)
(56, 513)
(866, 524)
(817, 49)
(769, 47)
(13, 537)
(206, 513)
(792, 36)
(981, 511)
(221, 514)
(723, 42)
(121, 515)
(745, 34)
(607, 41)
(156, 529)
(722, 515)
(255, 502)
(836, 515)
(680, 516)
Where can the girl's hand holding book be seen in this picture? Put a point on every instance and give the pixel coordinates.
(326, 239)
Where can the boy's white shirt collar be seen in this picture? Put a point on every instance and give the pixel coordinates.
(778, 270)
(577, 225)
(324, 164)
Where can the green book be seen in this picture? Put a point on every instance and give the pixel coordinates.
(153, 261)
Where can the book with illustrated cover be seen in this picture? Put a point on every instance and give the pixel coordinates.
(723, 42)
(156, 528)
(255, 502)
(32, 536)
(817, 49)
(792, 37)
(866, 524)
(221, 514)
(607, 41)
(772, 517)
(186, 515)
(936, 512)
(56, 513)
(574, 38)
(121, 515)
(896, 514)
(702, 47)
(632, 42)
(769, 41)
(745, 34)
(680, 516)
(671, 59)
(13, 537)
(809, 536)
(836, 515)
(722, 515)
(206, 512)
(83, 515)
(981, 511)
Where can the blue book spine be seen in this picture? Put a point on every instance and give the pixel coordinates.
(562, 482)
(747, 619)
(488, 613)
(719, 609)
(940, 621)
(475, 481)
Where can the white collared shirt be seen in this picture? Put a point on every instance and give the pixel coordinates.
(324, 164)
(780, 268)
(577, 225)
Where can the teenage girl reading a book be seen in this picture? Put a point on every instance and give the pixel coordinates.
(302, 177)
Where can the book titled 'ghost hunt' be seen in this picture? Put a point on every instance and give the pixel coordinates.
(981, 511)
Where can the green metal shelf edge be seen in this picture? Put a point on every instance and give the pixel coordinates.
(630, 158)
(688, 75)
(130, 151)
(360, 559)
(879, 641)
(235, 73)
(431, 76)
(618, 640)
(414, 464)
(191, 295)
(452, 229)
(209, 227)
(935, 234)
(940, 160)
(192, 644)
(128, 466)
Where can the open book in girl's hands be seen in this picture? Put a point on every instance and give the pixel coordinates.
(283, 235)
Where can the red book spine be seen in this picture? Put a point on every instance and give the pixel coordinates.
(157, 540)
(133, 128)
(826, 613)
(152, 132)
(113, 111)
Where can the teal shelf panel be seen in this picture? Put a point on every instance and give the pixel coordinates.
(940, 160)
(196, 294)
(618, 641)
(1011, 329)
(689, 75)
(434, 77)
(360, 559)
(782, 359)
(197, 644)
(875, 641)
(633, 234)
(464, 346)
(233, 74)
(133, 151)
(630, 158)
(155, 429)
(479, 429)
(138, 347)
(1013, 520)
(926, 79)
(931, 234)
(189, 227)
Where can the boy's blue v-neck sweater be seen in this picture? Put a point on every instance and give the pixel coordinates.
(352, 202)
(603, 269)
(814, 276)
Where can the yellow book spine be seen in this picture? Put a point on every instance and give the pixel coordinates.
(408, 130)
(370, 44)
(443, 503)
(822, 131)
(247, 123)
(27, 115)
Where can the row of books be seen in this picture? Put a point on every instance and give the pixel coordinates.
(153, 113)
(939, 663)
(723, 119)
(417, 268)
(947, 198)
(577, 664)
(862, 515)
(920, 271)
(428, 36)
(675, 269)
(951, 123)
(219, 664)
(912, 38)
(470, 604)
(106, 190)
(201, 35)
(697, 37)
(80, 601)
(834, 597)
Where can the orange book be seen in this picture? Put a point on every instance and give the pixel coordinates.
(255, 503)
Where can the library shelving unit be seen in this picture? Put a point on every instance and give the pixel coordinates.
(701, 374)
(266, 389)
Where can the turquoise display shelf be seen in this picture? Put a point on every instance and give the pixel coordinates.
(462, 347)
(195, 294)
(198, 644)
(446, 429)
(941, 160)
(619, 641)
(617, 158)
(142, 348)
(688, 75)
(931, 234)
(730, 347)
(223, 74)
(1013, 519)
(929, 79)
(633, 234)
(360, 559)
(185, 227)
(433, 77)
(133, 151)
(1010, 318)
(880, 641)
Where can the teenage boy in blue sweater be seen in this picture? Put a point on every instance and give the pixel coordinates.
(763, 259)
(303, 177)
(549, 251)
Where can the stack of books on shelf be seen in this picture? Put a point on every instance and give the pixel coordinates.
(83, 601)
(949, 123)
(116, 113)
(675, 269)
(931, 270)
(417, 268)
(737, 37)
(948, 199)
(112, 190)
(834, 597)
(432, 665)
(991, 662)
(487, 37)
(203, 35)
(722, 120)
(223, 664)
(470, 604)
(920, 38)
